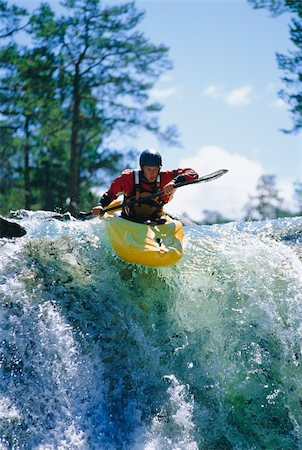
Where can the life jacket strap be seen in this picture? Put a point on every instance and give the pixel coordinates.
(136, 184)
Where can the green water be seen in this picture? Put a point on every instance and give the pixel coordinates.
(100, 354)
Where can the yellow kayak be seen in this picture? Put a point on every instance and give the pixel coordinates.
(149, 245)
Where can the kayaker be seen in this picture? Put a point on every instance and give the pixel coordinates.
(136, 184)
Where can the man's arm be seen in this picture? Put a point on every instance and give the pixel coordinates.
(121, 185)
(171, 177)
(184, 175)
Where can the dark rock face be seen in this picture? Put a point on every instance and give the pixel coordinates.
(9, 229)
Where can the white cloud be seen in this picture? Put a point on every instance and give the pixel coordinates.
(227, 194)
(161, 93)
(239, 96)
(286, 191)
(279, 103)
(213, 92)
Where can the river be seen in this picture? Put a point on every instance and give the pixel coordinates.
(100, 354)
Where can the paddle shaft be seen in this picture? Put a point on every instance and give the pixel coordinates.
(204, 179)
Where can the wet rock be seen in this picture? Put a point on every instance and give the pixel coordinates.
(9, 228)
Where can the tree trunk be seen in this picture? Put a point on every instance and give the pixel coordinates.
(74, 146)
(47, 188)
(27, 188)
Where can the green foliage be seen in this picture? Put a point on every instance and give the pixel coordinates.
(277, 7)
(84, 78)
(291, 64)
(267, 204)
(27, 101)
(211, 217)
(10, 19)
(298, 195)
(292, 67)
(11, 192)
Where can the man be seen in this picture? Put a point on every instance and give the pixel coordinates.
(137, 184)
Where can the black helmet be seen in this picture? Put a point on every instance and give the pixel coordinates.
(150, 157)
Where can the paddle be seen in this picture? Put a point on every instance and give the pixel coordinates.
(204, 179)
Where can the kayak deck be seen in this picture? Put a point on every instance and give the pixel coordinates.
(146, 244)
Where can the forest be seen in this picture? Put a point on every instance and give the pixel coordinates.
(71, 83)
(267, 203)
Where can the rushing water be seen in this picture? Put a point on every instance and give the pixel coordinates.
(97, 353)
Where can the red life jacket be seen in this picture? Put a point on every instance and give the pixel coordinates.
(150, 209)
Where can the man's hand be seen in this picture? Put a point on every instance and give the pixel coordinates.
(169, 189)
(98, 211)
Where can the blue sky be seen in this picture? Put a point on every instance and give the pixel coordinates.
(222, 95)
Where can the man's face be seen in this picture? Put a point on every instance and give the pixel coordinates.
(151, 173)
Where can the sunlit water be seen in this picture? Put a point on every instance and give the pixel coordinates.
(97, 353)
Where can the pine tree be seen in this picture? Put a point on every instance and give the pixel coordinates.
(11, 19)
(82, 78)
(290, 64)
(211, 217)
(298, 196)
(28, 104)
(106, 69)
(267, 204)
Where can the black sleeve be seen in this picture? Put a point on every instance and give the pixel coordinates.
(105, 200)
(179, 179)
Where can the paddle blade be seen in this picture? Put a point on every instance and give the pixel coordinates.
(213, 176)
(204, 179)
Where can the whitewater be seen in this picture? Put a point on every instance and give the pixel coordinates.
(97, 353)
